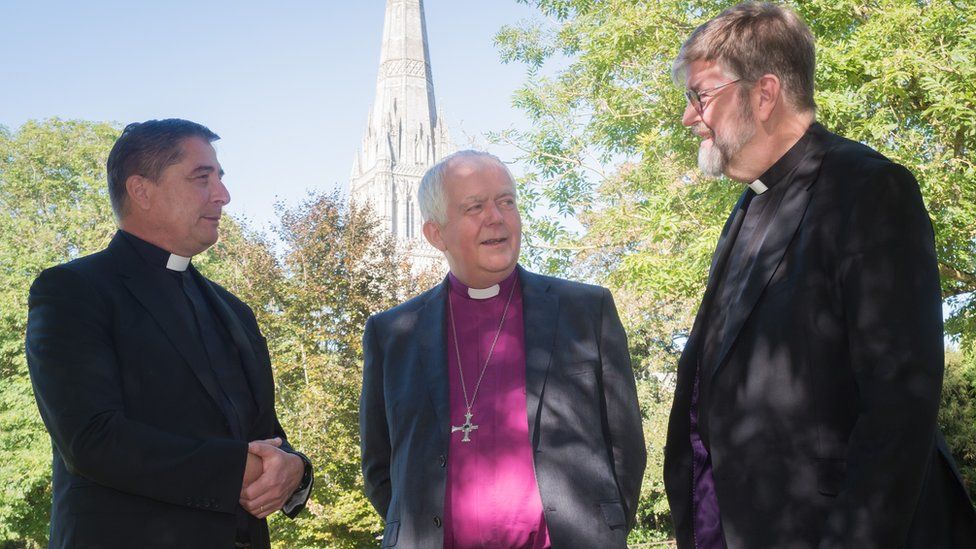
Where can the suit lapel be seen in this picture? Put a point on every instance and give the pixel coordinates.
(259, 375)
(719, 259)
(776, 240)
(724, 246)
(433, 342)
(540, 311)
(138, 278)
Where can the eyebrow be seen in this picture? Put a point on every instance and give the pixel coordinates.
(484, 198)
(206, 169)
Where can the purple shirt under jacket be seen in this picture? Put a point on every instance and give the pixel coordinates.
(492, 498)
(708, 521)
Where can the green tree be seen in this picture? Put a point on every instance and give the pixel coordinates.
(611, 187)
(53, 207)
(957, 413)
(337, 268)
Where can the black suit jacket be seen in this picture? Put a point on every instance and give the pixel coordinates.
(584, 422)
(143, 455)
(820, 410)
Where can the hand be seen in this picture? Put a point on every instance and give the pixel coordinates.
(254, 466)
(282, 473)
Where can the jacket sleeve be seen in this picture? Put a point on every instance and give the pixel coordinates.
(892, 303)
(374, 432)
(623, 413)
(77, 384)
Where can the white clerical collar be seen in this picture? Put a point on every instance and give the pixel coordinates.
(484, 293)
(177, 263)
(758, 187)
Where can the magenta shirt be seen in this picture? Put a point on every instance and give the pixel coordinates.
(492, 498)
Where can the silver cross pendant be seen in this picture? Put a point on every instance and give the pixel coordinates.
(465, 428)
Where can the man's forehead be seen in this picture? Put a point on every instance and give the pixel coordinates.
(199, 152)
(477, 177)
(465, 166)
(700, 70)
(479, 195)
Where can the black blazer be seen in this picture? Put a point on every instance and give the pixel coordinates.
(820, 410)
(143, 456)
(584, 422)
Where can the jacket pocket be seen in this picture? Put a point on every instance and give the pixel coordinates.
(830, 475)
(390, 533)
(613, 513)
(580, 368)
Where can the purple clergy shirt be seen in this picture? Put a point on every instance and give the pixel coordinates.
(708, 521)
(492, 499)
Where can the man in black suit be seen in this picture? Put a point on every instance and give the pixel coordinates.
(499, 408)
(805, 408)
(150, 378)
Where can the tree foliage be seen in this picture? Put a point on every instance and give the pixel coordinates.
(611, 187)
(337, 268)
(53, 207)
(957, 415)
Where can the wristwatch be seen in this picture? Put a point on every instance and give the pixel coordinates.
(306, 476)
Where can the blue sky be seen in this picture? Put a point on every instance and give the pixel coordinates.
(287, 85)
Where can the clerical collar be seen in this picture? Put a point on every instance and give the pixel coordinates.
(784, 167)
(480, 294)
(154, 255)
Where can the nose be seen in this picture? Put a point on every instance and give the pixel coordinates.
(220, 194)
(492, 213)
(691, 115)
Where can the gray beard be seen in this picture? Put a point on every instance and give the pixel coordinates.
(712, 161)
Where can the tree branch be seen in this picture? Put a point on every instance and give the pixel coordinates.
(967, 279)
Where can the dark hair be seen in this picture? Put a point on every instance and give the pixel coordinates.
(146, 149)
(753, 39)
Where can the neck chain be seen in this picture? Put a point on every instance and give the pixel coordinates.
(467, 426)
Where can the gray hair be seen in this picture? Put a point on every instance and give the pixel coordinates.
(431, 195)
(753, 39)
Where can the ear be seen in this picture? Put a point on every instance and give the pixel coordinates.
(770, 95)
(432, 232)
(140, 191)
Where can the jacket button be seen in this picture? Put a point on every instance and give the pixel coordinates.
(442, 460)
(437, 522)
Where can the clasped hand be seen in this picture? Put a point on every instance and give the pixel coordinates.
(271, 476)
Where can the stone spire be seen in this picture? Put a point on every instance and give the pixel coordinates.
(405, 133)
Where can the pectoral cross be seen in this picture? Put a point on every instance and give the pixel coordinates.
(466, 428)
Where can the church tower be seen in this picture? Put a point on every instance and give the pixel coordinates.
(405, 133)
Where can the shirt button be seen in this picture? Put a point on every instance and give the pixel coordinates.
(442, 460)
(437, 522)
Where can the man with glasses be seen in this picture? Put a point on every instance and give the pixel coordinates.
(805, 407)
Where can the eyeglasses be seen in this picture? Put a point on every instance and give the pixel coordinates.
(695, 98)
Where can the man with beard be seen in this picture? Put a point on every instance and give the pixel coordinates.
(805, 407)
(498, 408)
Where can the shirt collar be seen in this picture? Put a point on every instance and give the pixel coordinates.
(476, 294)
(783, 168)
(156, 256)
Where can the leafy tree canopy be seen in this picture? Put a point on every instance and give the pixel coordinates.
(606, 148)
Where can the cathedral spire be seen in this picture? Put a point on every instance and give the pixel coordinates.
(404, 80)
(404, 131)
